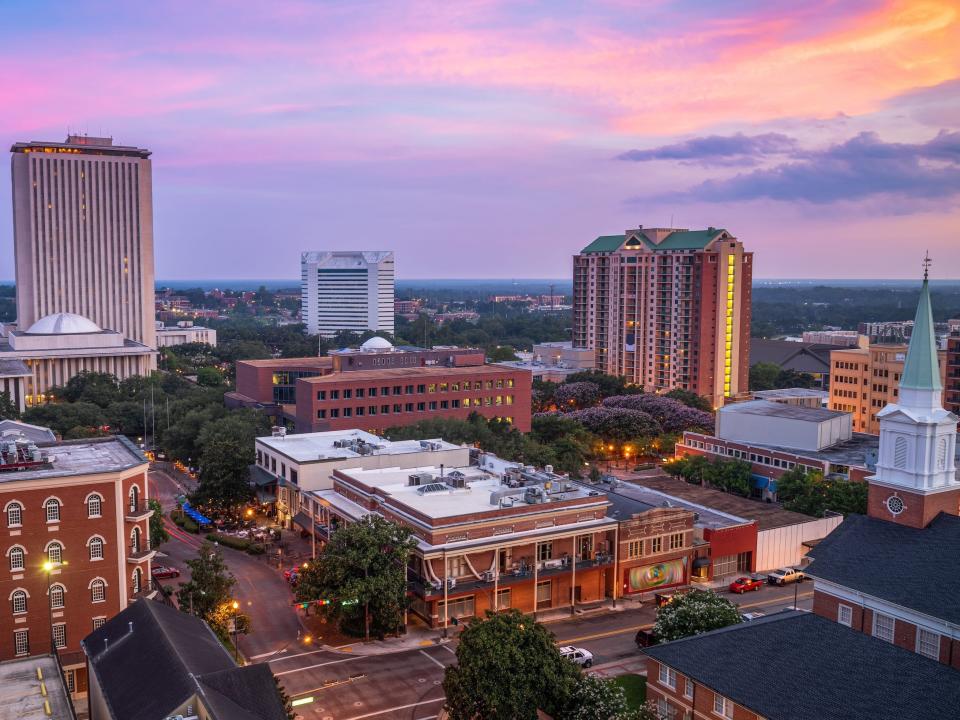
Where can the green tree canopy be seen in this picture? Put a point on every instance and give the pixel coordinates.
(209, 585)
(158, 533)
(8, 410)
(508, 667)
(363, 573)
(694, 612)
(814, 495)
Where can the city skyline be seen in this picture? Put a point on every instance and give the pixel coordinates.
(493, 141)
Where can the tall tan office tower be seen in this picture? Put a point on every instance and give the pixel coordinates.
(83, 234)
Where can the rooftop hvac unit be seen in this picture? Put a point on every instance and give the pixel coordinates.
(455, 482)
(421, 478)
(278, 431)
(548, 468)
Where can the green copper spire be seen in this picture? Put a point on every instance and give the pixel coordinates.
(921, 370)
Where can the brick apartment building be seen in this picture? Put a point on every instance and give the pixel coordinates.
(864, 381)
(667, 308)
(81, 506)
(886, 590)
(378, 386)
(951, 389)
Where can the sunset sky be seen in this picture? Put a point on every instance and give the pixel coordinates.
(488, 139)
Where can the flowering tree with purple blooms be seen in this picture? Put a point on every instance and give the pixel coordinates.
(672, 416)
(617, 424)
(576, 395)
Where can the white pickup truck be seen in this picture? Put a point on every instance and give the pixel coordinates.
(783, 576)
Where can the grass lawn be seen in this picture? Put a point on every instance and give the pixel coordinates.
(635, 688)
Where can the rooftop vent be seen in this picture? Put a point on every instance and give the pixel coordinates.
(420, 478)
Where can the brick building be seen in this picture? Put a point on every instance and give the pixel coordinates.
(951, 394)
(886, 590)
(81, 507)
(377, 386)
(667, 309)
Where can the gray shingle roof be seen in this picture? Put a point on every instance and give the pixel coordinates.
(916, 568)
(799, 666)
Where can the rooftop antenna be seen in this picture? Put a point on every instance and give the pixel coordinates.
(926, 265)
(671, 221)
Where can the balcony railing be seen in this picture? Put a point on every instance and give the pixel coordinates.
(135, 512)
(136, 556)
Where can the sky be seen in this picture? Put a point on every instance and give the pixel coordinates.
(491, 139)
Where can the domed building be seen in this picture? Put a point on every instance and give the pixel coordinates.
(58, 346)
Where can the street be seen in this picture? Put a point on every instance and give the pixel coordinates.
(358, 682)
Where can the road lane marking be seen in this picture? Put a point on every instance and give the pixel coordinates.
(311, 667)
(447, 648)
(394, 709)
(308, 652)
(433, 660)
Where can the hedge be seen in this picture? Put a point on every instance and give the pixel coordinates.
(247, 546)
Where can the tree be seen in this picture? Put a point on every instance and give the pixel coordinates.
(8, 411)
(209, 585)
(158, 533)
(224, 474)
(811, 494)
(595, 698)
(763, 376)
(690, 399)
(501, 353)
(576, 395)
(285, 700)
(222, 616)
(508, 667)
(694, 612)
(609, 384)
(363, 573)
(209, 377)
(63, 418)
(93, 387)
(730, 476)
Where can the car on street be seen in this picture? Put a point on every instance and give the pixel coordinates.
(646, 638)
(581, 657)
(745, 584)
(162, 572)
(784, 576)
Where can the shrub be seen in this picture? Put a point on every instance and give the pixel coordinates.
(248, 546)
(190, 526)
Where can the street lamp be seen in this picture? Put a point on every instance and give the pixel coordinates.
(48, 567)
(236, 649)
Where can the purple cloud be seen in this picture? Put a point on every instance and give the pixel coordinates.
(736, 149)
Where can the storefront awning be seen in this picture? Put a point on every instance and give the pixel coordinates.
(265, 497)
(260, 477)
(701, 562)
(303, 520)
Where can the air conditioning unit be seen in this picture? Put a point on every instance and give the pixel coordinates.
(451, 583)
(487, 576)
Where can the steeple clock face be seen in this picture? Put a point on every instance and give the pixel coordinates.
(895, 505)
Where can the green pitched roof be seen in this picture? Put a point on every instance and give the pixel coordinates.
(679, 240)
(921, 370)
(605, 243)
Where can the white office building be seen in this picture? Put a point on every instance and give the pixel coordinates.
(347, 290)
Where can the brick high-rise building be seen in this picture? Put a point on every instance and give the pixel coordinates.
(667, 308)
(83, 234)
(951, 396)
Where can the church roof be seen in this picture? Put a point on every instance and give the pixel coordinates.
(921, 371)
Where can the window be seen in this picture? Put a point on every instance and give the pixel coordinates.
(384, 391)
(137, 580)
(928, 643)
(408, 389)
(321, 394)
(371, 392)
(656, 545)
(135, 540)
(347, 394)
(544, 551)
(503, 599)
(14, 514)
(634, 549)
(359, 393)
(433, 404)
(95, 546)
(53, 510)
(17, 558)
(347, 412)
(726, 565)
(18, 601)
(93, 506)
(883, 627)
(98, 590)
(98, 622)
(55, 553)
(334, 394)
(57, 596)
(334, 412)
(688, 688)
(845, 615)
(397, 407)
(665, 709)
(459, 608)
(676, 541)
(544, 593)
(71, 680)
(398, 390)
(667, 677)
(60, 635)
(722, 706)
(432, 387)
(134, 498)
(21, 642)
(421, 407)
(321, 414)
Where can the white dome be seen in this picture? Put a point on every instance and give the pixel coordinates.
(63, 324)
(377, 343)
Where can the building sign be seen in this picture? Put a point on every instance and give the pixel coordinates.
(457, 538)
(651, 577)
(503, 530)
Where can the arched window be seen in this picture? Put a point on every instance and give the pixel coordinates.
(18, 601)
(900, 453)
(94, 505)
(135, 540)
(95, 546)
(14, 514)
(17, 557)
(52, 507)
(942, 455)
(58, 594)
(98, 590)
(134, 498)
(55, 552)
(137, 580)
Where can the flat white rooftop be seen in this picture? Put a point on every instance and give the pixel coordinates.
(323, 446)
(20, 697)
(434, 499)
(82, 457)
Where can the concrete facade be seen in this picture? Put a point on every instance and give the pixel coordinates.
(347, 291)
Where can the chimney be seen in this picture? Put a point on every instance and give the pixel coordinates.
(441, 469)
(130, 625)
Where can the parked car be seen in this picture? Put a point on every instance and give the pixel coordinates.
(581, 657)
(162, 572)
(748, 616)
(784, 576)
(744, 584)
(646, 638)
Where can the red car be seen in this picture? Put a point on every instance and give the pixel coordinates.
(162, 572)
(743, 584)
